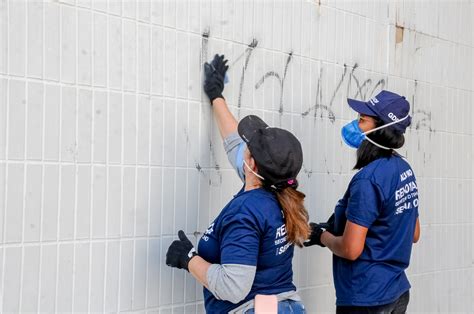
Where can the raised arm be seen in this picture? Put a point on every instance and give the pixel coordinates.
(214, 86)
(225, 119)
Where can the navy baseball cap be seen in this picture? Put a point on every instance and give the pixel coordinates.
(277, 152)
(387, 106)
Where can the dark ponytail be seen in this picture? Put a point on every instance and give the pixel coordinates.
(388, 137)
(296, 215)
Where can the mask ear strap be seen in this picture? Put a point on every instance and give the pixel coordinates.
(387, 125)
(250, 169)
(381, 127)
(376, 144)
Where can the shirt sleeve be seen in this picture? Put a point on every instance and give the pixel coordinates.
(240, 239)
(234, 147)
(230, 282)
(364, 203)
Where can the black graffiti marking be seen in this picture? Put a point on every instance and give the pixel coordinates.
(341, 80)
(281, 81)
(365, 83)
(248, 53)
(213, 154)
(254, 43)
(424, 121)
(204, 58)
(204, 46)
(425, 117)
(318, 106)
(308, 173)
(198, 167)
(362, 91)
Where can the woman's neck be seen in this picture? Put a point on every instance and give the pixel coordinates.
(252, 184)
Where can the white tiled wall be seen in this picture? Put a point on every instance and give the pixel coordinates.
(108, 145)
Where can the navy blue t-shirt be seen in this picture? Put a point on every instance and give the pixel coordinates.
(250, 230)
(383, 197)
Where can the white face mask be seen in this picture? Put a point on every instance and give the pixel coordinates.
(250, 169)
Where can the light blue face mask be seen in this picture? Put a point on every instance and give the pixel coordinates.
(353, 135)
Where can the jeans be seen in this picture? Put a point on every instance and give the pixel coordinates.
(397, 307)
(286, 306)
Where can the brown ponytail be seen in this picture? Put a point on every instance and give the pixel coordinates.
(296, 216)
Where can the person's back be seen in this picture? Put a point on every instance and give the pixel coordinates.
(256, 213)
(389, 212)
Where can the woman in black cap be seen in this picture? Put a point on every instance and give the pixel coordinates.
(375, 224)
(248, 249)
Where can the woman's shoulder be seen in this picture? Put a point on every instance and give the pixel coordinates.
(256, 203)
(382, 167)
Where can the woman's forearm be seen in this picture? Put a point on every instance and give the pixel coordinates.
(350, 244)
(225, 119)
(198, 268)
(335, 244)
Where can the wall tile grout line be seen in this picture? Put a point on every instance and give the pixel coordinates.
(107, 169)
(76, 169)
(60, 10)
(91, 168)
(43, 167)
(7, 153)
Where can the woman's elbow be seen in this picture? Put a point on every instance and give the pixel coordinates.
(417, 233)
(416, 237)
(238, 297)
(352, 253)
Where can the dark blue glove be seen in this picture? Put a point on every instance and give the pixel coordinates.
(180, 252)
(215, 74)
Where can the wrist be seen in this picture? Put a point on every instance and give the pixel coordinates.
(191, 255)
(218, 100)
(323, 238)
(190, 261)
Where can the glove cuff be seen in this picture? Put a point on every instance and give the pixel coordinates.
(214, 98)
(192, 253)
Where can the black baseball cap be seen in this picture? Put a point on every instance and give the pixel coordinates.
(387, 106)
(277, 152)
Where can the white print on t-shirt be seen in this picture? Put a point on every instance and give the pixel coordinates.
(281, 231)
(407, 196)
(407, 188)
(282, 249)
(209, 230)
(280, 238)
(406, 174)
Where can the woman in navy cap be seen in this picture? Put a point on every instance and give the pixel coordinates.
(248, 249)
(375, 224)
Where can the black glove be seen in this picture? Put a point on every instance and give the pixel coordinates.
(215, 74)
(315, 237)
(328, 225)
(180, 252)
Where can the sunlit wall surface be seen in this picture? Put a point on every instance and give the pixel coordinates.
(108, 145)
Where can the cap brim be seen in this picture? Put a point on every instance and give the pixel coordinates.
(361, 107)
(249, 125)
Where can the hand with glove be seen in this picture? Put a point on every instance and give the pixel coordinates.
(215, 74)
(180, 252)
(315, 236)
(328, 225)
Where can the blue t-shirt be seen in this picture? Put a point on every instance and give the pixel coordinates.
(383, 197)
(250, 230)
